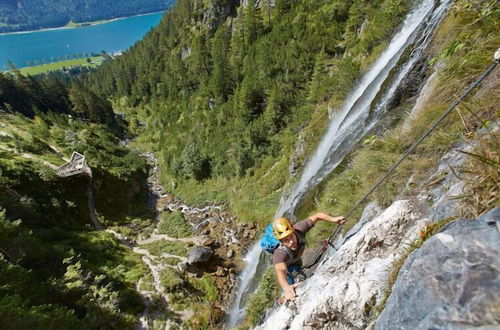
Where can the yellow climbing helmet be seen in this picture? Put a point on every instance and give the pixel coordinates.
(282, 227)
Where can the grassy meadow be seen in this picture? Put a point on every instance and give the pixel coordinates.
(78, 62)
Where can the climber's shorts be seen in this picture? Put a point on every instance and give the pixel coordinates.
(292, 271)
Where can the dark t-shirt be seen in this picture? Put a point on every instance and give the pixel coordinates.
(291, 257)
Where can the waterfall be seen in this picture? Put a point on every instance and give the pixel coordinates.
(246, 278)
(354, 119)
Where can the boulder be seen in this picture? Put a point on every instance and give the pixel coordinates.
(182, 267)
(452, 281)
(200, 255)
(230, 253)
(220, 271)
(208, 242)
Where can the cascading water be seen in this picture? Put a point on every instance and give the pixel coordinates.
(351, 122)
(246, 279)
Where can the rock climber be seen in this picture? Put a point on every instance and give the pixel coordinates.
(287, 257)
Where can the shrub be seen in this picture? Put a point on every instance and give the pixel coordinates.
(162, 246)
(174, 225)
(171, 280)
(264, 298)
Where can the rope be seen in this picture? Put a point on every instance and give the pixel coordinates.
(330, 240)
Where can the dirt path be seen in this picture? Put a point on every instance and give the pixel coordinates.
(155, 266)
(146, 253)
(158, 237)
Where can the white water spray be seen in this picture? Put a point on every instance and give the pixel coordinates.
(251, 260)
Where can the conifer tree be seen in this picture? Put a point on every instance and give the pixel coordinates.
(89, 105)
(201, 58)
(95, 294)
(252, 22)
(194, 164)
(318, 76)
(221, 76)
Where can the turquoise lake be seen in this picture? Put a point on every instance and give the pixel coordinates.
(30, 48)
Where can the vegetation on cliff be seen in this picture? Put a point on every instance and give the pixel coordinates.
(56, 272)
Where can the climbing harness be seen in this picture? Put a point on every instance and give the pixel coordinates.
(331, 239)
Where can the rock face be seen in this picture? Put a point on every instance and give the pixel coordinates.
(347, 286)
(452, 281)
(200, 255)
(299, 152)
(215, 14)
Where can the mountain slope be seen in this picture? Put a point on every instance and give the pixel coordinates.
(223, 91)
(231, 99)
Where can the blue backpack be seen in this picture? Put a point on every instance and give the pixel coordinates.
(269, 242)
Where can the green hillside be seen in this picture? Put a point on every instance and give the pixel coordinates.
(56, 271)
(222, 92)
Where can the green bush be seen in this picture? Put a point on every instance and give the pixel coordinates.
(264, 298)
(162, 246)
(173, 224)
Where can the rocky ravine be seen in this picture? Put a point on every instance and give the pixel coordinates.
(215, 246)
(214, 228)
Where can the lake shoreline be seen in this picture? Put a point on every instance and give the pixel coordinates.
(87, 24)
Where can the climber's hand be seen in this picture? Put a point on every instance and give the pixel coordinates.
(340, 220)
(290, 291)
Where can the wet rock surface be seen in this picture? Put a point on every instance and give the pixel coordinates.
(451, 282)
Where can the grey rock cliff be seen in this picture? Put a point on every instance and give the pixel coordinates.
(451, 282)
(352, 280)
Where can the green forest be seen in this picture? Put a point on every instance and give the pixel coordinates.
(57, 272)
(33, 15)
(231, 100)
(222, 105)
